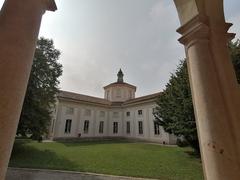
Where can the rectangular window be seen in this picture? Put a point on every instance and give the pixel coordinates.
(115, 127)
(128, 127)
(118, 94)
(128, 113)
(154, 110)
(86, 126)
(140, 127)
(101, 125)
(130, 94)
(156, 128)
(68, 125)
(53, 125)
(140, 112)
(87, 112)
(107, 95)
(69, 110)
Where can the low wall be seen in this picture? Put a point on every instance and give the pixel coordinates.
(172, 140)
(37, 174)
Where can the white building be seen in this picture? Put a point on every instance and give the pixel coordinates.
(118, 114)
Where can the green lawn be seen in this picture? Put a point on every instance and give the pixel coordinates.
(109, 157)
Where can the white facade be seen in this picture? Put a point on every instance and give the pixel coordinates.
(119, 114)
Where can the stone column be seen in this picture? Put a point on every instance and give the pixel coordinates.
(214, 86)
(19, 26)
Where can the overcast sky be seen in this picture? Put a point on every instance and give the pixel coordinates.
(97, 37)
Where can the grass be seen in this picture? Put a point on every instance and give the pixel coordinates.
(109, 157)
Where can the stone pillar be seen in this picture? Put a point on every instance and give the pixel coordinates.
(19, 26)
(214, 86)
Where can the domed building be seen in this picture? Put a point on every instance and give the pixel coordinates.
(119, 114)
(119, 91)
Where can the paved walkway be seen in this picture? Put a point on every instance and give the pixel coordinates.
(37, 174)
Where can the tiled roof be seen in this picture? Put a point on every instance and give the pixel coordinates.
(90, 99)
(81, 97)
(151, 97)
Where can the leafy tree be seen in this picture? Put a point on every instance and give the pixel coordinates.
(41, 91)
(234, 48)
(174, 106)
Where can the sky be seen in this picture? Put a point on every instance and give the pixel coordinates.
(98, 37)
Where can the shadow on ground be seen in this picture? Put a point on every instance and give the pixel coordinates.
(94, 142)
(25, 156)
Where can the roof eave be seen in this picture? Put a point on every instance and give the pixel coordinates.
(129, 85)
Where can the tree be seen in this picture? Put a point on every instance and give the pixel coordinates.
(175, 109)
(41, 91)
(174, 106)
(234, 48)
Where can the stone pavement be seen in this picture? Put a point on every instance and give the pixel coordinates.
(38, 174)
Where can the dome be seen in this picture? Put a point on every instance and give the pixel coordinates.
(119, 91)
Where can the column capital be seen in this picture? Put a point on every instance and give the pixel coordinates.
(45, 5)
(195, 29)
(199, 28)
(50, 5)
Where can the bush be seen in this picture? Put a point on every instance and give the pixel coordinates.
(182, 143)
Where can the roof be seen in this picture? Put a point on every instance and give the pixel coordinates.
(121, 84)
(100, 101)
(151, 97)
(120, 81)
(81, 97)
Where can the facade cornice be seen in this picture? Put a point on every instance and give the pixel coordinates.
(139, 103)
(94, 101)
(120, 84)
(61, 99)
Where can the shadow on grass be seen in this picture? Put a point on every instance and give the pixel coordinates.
(26, 156)
(193, 154)
(87, 142)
